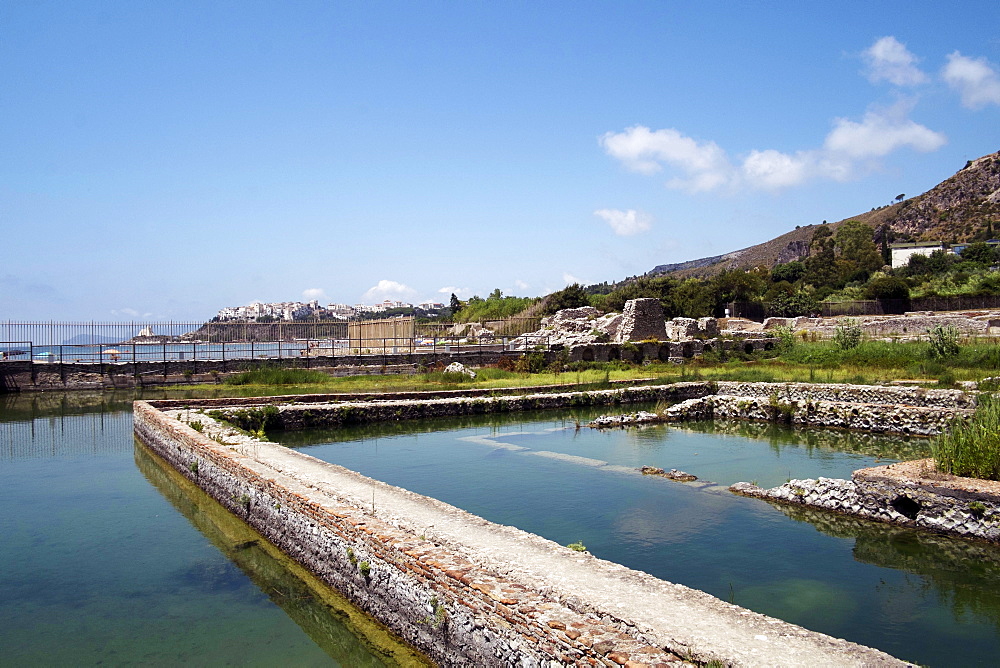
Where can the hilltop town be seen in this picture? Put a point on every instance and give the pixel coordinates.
(313, 310)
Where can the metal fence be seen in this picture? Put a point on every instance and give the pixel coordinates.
(759, 311)
(118, 342)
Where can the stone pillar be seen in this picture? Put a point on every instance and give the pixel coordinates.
(642, 319)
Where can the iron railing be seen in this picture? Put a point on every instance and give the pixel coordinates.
(122, 342)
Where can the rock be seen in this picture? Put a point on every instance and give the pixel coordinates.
(672, 474)
(709, 327)
(458, 367)
(681, 329)
(642, 319)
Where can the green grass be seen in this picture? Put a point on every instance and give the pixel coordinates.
(972, 448)
(277, 376)
(871, 362)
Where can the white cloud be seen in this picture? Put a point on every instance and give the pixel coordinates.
(570, 279)
(388, 290)
(129, 313)
(521, 285)
(642, 150)
(626, 223)
(880, 132)
(889, 60)
(318, 294)
(974, 78)
(772, 169)
(458, 292)
(850, 148)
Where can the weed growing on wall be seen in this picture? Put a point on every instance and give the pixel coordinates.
(257, 421)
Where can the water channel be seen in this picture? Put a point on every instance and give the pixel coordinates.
(107, 557)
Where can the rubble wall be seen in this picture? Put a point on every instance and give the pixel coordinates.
(910, 494)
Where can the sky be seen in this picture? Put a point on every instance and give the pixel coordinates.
(162, 160)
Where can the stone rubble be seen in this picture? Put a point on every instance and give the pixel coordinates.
(911, 494)
(458, 367)
(901, 410)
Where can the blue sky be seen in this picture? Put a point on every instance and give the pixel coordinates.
(163, 160)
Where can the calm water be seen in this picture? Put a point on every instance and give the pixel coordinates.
(920, 597)
(108, 558)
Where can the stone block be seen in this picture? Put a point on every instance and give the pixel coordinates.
(642, 319)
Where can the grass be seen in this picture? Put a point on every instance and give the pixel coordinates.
(871, 362)
(272, 375)
(972, 448)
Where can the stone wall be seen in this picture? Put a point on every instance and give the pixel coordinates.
(666, 351)
(642, 319)
(878, 418)
(40, 376)
(461, 589)
(309, 413)
(866, 394)
(911, 494)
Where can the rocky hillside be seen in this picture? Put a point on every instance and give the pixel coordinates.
(956, 210)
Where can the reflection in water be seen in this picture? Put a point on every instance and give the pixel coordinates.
(964, 574)
(886, 446)
(495, 421)
(335, 625)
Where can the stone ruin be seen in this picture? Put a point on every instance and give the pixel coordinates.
(637, 334)
(642, 319)
(910, 325)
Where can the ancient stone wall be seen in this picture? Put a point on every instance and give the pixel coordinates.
(867, 394)
(911, 494)
(642, 319)
(461, 589)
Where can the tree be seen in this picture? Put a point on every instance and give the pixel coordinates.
(692, 299)
(887, 287)
(821, 265)
(981, 253)
(854, 244)
(900, 197)
(572, 296)
(659, 287)
(455, 305)
(790, 271)
(787, 304)
(737, 285)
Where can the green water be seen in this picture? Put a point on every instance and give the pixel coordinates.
(924, 598)
(108, 559)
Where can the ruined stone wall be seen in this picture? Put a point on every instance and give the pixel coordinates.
(910, 494)
(305, 414)
(867, 394)
(461, 589)
(899, 410)
(877, 418)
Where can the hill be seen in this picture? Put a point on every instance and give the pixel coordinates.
(961, 208)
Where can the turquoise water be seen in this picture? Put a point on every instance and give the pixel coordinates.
(920, 597)
(106, 560)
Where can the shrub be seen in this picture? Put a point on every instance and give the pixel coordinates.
(972, 448)
(786, 337)
(944, 341)
(847, 335)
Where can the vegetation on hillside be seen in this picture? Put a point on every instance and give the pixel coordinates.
(844, 263)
